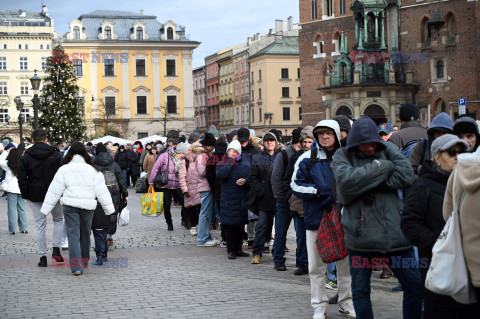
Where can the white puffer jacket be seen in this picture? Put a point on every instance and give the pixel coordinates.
(10, 183)
(81, 185)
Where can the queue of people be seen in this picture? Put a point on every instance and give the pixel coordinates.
(392, 191)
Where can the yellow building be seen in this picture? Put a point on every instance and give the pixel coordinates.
(25, 44)
(275, 86)
(134, 73)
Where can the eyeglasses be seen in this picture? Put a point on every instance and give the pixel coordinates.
(453, 152)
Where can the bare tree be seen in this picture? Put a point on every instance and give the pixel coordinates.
(165, 118)
(107, 122)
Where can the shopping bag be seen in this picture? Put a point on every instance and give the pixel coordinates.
(143, 175)
(330, 238)
(152, 203)
(448, 273)
(124, 218)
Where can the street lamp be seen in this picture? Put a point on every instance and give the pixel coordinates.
(19, 103)
(35, 81)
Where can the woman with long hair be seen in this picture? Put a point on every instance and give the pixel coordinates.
(16, 204)
(78, 185)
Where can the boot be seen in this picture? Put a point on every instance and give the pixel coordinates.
(104, 256)
(170, 226)
(99, 260)
(43, 261)
(56, 255)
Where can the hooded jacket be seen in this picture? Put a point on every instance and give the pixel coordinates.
(316, 188)
(419, 153)
(122, 159)
(467, 178)
(368, 186)
(189, 184)
(197, 154)
(260, 177)
(466, 124)
(165, 162)
(410, 131)
(104, 161)
(36, 171)
(79, 185)
(135, 163)
(280, 190)
(422, 219)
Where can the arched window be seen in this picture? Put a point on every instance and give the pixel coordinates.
(41, 46)
(48, 46)
(170, 33)
(344, 110)
(440, 69)
(26, 46)
(76, 33)
(139, 33)
(108, 33)
(426, 33)
(19, 46)
(451, 26)
(4, 46)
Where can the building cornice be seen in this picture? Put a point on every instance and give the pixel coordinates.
(170, 45)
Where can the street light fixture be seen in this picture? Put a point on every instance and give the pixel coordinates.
(19, 103)
(35, 81)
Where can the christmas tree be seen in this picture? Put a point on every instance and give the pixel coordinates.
(61, 110)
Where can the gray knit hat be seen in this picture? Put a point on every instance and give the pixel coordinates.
(447, 141)
(181, 148)
(307, 132)
(214, 131)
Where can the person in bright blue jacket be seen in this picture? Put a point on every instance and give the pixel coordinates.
(313, 181)
(233, 173)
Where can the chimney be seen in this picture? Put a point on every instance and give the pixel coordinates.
(278, 38)
(278, 25)
(270, 31)
(249, 40)
(290, 23)
(141, 12)
(258, 36)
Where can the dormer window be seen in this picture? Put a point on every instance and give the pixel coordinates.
(170, 33)
(139, 33)
(76, 33)
(108, 33)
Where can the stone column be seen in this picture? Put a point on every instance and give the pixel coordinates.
(393, 117)
(157, 102)
(126, 112)
(365, 29)
(356, 110)
(188, 111)
(376, 26)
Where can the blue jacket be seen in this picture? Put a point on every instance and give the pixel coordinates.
(229, 171)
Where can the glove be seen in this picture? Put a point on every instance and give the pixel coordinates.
(238, 158)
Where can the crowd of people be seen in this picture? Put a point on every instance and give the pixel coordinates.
(391, 188)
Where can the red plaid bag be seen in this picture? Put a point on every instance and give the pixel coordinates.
(330, 238)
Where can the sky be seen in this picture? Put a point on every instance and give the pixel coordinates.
(217, 24)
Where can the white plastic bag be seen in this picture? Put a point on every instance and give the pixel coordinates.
(124, 218)
(143, 175)
(448, 273)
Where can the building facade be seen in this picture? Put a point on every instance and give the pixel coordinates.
(367, 57)
(241, 102)
(26, 40)
(134, 73)
(275, 87)
(212, 79)
(200, 98)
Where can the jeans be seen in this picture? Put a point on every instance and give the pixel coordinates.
(124, 171)
(409, 278)
(41, 224)
(331, 272)
(101, 242)
(283, 217)
(16, 212)
(205, 218)
(215, 213)
(265, 221)
(79, 222)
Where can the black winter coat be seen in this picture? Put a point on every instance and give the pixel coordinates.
(135, 163)
(422, 219)
(232, 211)
(214, 183)
(259, 180)
(36, 171)
(122, 160)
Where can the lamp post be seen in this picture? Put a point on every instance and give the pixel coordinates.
(19, 103)
(35, 81)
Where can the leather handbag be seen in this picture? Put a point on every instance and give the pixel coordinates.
(162, 177)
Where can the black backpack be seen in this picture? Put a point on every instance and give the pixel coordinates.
(111, 180)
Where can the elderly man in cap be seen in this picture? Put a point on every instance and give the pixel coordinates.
(385, 130)
(411, 129)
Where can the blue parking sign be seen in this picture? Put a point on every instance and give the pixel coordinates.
(461, 101)
(462, 109)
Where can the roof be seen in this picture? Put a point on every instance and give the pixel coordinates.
(23, 18)
(281, 46)
(123, 25)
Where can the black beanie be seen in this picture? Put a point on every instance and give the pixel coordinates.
(296, 135)
(343, 122)
(208, 140)
(100, 148)
(408, 112)
(221, 146)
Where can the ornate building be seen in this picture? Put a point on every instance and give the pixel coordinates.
(200, 98)
(135, 73)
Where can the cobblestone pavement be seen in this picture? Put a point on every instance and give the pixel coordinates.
(154, 273)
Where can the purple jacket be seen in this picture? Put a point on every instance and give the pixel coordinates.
(161, 165)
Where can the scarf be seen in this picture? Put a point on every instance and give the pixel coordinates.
(175, 160)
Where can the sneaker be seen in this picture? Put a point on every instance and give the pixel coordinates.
(301, 270)
(320, 312)
(210, 243)
(77, 273)
(280, 267)
(232, 256)
(12, 233)
(331, 285)
(193, 231)
(223, 243)
(24, 231)
(43, 261)
(256, 259)
(333, 300)
(386, 273)
(110, 242)
(346, 309)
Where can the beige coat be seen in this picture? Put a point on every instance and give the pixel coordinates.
(467, 177)
(148, 163)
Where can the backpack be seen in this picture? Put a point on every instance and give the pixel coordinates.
(407, 149)
(111, 181)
